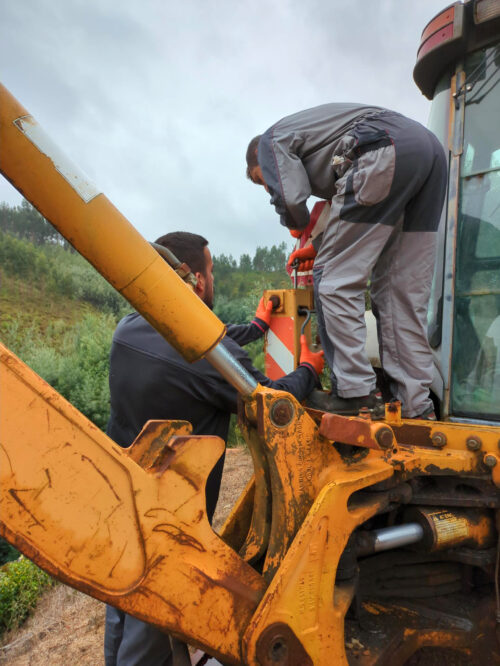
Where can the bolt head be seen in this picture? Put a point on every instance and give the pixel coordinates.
(384, 437)
(438, 439)
(282, 412)
(474, 443)
(490, 460)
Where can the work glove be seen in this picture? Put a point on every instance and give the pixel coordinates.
(262, 317)
(307, 252)
(296, 233)
(305, 266)
(314, 360)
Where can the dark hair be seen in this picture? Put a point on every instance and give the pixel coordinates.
(187, 247)
(252, 160)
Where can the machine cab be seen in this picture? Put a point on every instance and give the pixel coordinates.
(458, 67)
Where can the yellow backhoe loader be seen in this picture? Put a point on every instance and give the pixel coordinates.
(357, 541)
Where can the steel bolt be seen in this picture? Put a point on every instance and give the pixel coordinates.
(474, 443)
(490, 460)
(438, 440)
(281, 412)
(384, 437)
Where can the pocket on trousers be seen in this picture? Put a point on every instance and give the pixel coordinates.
(373, 175)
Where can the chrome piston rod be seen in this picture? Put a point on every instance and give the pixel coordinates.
(231, 370)
(387, 538)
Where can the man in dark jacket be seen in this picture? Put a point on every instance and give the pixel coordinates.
(386, 177)
(149, 379)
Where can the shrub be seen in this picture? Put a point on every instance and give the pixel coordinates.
(7, 552)
(75, 361)
(21, 583)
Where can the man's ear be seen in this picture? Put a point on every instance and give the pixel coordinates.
(200, 284)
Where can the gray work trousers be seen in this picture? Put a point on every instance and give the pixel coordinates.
(391, 181)
(131, 642)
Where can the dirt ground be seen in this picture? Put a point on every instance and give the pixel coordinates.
(67, 626)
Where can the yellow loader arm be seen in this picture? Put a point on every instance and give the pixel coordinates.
(129, 526)
(126, 526)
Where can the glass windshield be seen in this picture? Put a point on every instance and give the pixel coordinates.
(475, 385)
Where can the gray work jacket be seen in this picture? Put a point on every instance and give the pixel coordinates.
(295, 156)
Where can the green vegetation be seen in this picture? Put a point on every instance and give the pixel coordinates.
(58, 272)
(73, 359)
(21, 583)
(7, 552)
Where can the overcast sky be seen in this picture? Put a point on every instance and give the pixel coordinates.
(156, 100)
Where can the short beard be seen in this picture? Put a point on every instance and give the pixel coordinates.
(209, 301)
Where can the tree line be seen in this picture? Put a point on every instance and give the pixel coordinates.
(269, 259)
(25, 222)
(31, 247)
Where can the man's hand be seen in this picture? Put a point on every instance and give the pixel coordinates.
(305, 266)
(314, 359)
(307, 252)
(263, 314)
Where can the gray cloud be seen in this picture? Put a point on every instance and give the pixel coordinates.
(157, 100)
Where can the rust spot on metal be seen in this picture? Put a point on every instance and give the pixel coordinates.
(356, 431)
(178, 535)
(281, 412)
(413, 435)
(279, 646)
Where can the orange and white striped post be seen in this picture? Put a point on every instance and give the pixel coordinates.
(282, 348)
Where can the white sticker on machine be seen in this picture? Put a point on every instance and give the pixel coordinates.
(74, 176)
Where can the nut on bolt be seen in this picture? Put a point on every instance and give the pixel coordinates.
(438, 440)
(490, 460)
(384, 437)
(474, 443)
(281, 412)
